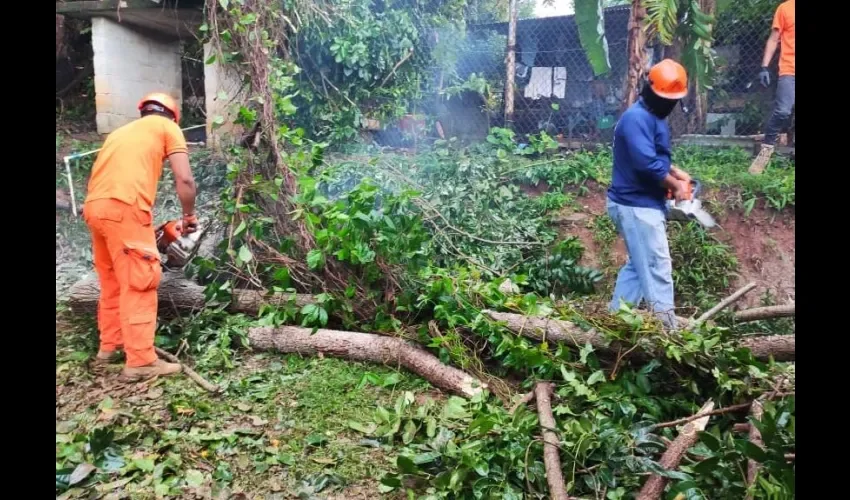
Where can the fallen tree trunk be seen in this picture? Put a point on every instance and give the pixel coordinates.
(781, 347)
(369, 347)
(654, 486)
(760, 313)
(551, 443)
(177, 295)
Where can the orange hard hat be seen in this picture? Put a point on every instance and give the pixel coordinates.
(668, 79)
(164, 100)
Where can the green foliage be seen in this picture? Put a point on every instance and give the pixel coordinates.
(591, 31)
(702, 265)
(559, 272)
(726, 171)
(476, 449)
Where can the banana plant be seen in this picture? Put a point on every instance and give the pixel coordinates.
(591, 32)
(687, 23)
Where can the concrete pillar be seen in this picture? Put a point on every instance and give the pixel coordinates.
(128, 65)
(221, 92)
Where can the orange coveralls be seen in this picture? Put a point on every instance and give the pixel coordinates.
(117, 210)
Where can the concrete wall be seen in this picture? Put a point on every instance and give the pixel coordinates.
(221, 91)
(128, 65)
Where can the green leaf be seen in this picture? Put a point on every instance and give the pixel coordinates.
(406, 465)
(426, 458)
(315, 259)
(585, 352)
(144, 464)
(590, 20)
(245, 254)
(365, 429)
(754, 452)
(240, 229)
(409, 432)
(224, 4)
(194, 478)
(316, 439)
(710, 441)
(596, 377)
(456, 409)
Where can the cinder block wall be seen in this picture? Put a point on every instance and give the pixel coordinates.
(128, 65)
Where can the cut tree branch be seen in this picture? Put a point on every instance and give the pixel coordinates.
(654, 486)
(780, 347)
(366, 347)
(728, 409)
(192, 374)
(551, 444)
(522, 401)
(756, 412)
(723, 304)
(769, 312)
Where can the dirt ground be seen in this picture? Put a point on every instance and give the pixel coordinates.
(763, 242)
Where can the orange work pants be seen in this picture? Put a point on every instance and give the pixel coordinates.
(127, 264)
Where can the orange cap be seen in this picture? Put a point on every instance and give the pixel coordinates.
(668, 79)
(164, 100)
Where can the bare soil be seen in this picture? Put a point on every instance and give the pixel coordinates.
(763, 242)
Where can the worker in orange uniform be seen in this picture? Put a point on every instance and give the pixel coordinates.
(117, 210)
(782, 34)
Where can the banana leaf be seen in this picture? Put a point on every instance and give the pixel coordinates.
(591, 31)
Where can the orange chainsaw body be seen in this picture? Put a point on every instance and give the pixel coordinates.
(176, 250)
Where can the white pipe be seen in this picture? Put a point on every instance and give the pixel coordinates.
(67, 160)
(70, 185)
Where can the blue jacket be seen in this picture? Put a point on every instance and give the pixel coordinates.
(641, 159)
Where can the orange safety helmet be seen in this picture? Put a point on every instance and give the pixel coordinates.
(164, 100)
(668, 79)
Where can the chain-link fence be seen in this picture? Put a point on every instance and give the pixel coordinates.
(556, 90)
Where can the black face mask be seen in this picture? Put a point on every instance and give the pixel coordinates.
(658, 106)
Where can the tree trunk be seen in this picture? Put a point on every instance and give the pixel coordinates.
(177, 295)
(510, 64)
(636, 54)
(551, 443)
(769, 312)
(60, 35)
(781, 347)
(390, 351)
(653, 488)
(699, 113)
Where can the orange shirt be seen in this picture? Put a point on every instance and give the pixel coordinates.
(129, 164)
(783, 21)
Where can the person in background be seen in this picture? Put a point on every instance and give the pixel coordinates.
(782, 34)
(117, 210)
(642, 177)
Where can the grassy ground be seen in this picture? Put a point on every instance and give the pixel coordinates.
(281, 427)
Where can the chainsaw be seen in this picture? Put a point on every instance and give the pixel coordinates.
(688, 210)
(176, 250)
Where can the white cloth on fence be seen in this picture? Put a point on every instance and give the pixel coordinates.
(541, 83)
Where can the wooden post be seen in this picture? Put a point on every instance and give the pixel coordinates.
(511, 67)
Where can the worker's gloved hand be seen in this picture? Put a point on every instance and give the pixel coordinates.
(764, 77)
(189, 224)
